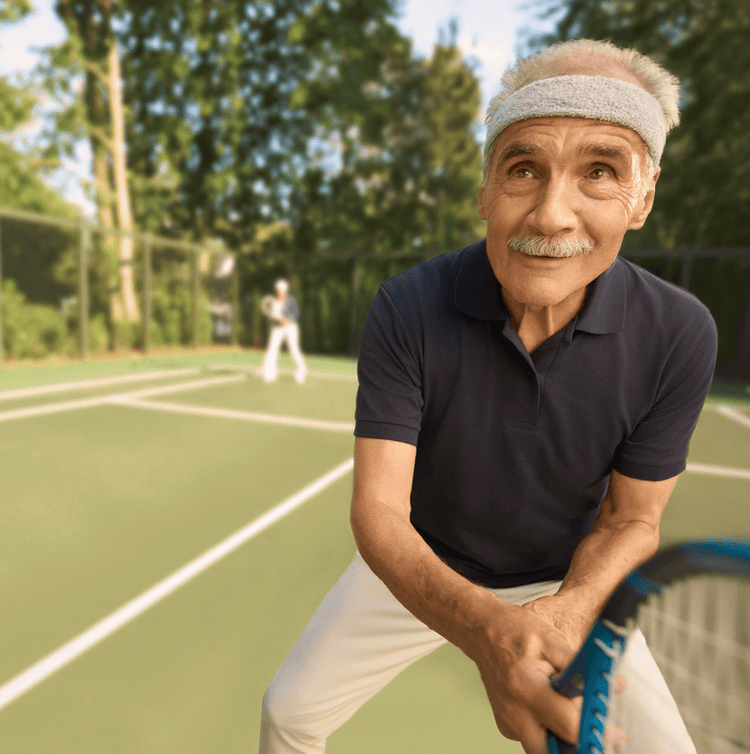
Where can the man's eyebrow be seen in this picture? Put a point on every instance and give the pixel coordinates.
(610, 151)
(516, 149)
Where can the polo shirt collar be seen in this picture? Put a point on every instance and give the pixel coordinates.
(478, 294)
(604, 309)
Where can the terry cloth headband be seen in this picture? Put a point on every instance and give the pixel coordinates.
(594, 97)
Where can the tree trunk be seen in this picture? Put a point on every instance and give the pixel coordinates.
(124, 215)
(106, 216)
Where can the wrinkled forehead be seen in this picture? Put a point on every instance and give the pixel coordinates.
(569, 138)
(585, 97)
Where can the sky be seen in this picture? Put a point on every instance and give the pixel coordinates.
(487, 34)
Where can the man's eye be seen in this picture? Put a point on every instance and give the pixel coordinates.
(520, 172)
(600, 173)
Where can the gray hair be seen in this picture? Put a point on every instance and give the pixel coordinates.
(657, 81)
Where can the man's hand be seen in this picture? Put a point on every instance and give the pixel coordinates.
(566, 615)
(516, 657)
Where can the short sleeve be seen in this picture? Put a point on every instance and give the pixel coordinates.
(658, 446)
(389, 398)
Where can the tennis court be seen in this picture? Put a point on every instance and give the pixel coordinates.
(181, 519)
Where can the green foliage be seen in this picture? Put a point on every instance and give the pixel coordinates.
(172, 318)
(405, 190)
(15, 106)
(311, 114)
(34, 256)
(211, 135)
(98, 334)
(30, 331)
(14, 10)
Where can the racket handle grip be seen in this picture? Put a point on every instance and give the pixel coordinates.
(556, 746)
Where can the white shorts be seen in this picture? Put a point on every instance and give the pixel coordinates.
(361, 637)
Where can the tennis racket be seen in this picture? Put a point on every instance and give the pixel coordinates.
(692, 603)
(271, 307)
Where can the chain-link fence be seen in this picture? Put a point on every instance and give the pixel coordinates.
(68, 286)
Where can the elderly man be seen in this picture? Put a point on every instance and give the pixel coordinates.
(524, 409)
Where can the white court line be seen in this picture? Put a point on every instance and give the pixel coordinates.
(223, 413)
(702, 468)
(732, 413)
(118, 379)
(257, 371)
(100, 631)
(52, 408)
(181, 387)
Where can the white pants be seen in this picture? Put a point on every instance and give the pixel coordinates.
(361, 638)
(279, 334)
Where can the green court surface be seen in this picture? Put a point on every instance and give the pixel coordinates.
(117, 475)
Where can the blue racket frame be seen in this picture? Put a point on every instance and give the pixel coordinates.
(590, 673)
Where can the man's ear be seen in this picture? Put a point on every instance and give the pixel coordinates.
(480, 204)
(645, 207)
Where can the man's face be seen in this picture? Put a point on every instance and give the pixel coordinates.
(562, 178)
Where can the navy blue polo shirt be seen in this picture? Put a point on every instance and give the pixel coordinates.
(514, 450)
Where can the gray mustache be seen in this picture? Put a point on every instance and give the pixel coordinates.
(551, 246)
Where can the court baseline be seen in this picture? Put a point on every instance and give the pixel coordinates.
(53, 662)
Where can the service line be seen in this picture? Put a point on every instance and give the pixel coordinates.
(225, 413)
(258, 372)
(53, 662)
(117, 379)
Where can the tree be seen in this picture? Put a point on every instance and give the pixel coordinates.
(227, 100)
(81, 75)
(404, 187)
(38, 258)
(14, 10)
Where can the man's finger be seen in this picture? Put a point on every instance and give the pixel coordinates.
(614, 737)
(558, 713)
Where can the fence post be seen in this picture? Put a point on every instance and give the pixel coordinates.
(356, 284)
(147, 296)
(1, 301)
(196, 283)
(83, 289)
(687, 262)
(235, 283)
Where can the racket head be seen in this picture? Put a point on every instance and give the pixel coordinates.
(691, 602)
(268, 305)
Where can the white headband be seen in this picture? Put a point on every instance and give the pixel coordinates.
(594, 97)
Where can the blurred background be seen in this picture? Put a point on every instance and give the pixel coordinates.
(187, 154)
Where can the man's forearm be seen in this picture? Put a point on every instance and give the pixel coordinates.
(432, 591)
(515, 652)
(602, 560)
(625, 534)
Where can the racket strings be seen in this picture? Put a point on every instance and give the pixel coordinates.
(698, 631)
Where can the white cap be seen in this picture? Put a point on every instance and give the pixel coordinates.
(282, 285)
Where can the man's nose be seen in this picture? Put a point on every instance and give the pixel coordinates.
(555, 209)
